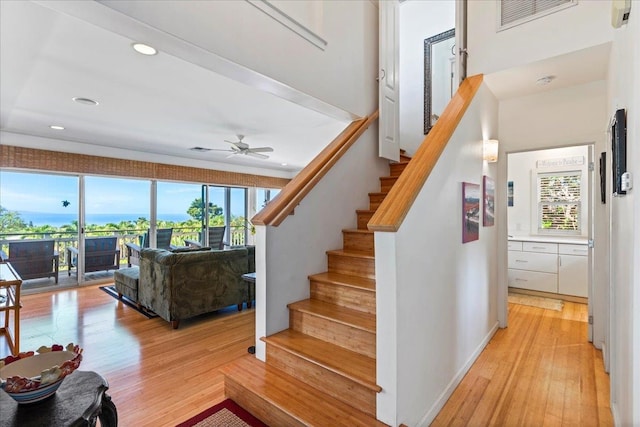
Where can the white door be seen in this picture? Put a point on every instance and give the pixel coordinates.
(389, 129)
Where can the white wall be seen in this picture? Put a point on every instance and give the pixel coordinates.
(343, 74)
(523, 170)
(286, 255)
(490, 51)
(418, 20)
(568, 116)
(624, 92)
(438, 297)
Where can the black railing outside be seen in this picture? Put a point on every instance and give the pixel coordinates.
(65, 239)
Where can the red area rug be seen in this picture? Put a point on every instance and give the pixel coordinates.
(226, 413)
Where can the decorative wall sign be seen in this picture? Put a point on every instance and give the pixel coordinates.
(488, 196)
(470, 212)
(510, 193)
(563, 162)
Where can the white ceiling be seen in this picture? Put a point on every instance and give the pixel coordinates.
(52, 51)
(160, 104)
(575, 68)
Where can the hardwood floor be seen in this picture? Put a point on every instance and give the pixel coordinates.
(539, 371)
(157, 376)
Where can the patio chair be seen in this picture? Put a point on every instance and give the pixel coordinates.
(100, 253)
(33, 259)
(163, 241)
(216, 239)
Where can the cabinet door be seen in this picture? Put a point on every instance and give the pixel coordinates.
(573, 278)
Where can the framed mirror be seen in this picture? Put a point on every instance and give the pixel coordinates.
(439, 75)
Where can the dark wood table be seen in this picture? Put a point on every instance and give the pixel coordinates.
(250, 278)
(79, 401)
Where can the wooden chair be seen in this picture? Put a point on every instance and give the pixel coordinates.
(33, 259)
(163, 241)
(216, 239)
(100, 253)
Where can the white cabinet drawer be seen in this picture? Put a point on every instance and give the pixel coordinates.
(565, 249)
(514, 246)
(547, 263)
(547, 248)
(534, 280)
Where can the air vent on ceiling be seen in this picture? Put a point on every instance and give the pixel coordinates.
(516, 12)
(200, 149)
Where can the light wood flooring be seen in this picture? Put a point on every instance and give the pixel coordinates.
(157, 376)
(539, 371)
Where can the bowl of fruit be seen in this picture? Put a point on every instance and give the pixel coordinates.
(32, 376)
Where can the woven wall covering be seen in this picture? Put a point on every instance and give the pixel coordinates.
(56, 161)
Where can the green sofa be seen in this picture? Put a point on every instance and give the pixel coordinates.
(180, 284)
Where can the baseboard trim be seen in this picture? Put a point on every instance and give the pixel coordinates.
(455, 381)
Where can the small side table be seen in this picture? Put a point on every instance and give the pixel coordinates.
(250, 278)
(10, 283)
(79, 401)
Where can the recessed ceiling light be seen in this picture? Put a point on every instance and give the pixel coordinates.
(545, 80)
(85, 101)
(144, 49)
(284, 164)
(57, 127)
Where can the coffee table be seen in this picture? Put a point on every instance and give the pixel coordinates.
(79, 401)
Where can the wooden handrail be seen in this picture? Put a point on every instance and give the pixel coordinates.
(290, 196)
(396, 204)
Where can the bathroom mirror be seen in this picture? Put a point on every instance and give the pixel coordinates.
(439, 72)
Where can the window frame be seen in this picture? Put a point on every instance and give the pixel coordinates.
(538, 204)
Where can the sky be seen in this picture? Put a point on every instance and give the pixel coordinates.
(34, 192)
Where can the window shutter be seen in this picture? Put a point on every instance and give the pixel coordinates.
(517, 11)
(559, 201)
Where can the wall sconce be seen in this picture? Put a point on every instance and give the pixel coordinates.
(490, 150)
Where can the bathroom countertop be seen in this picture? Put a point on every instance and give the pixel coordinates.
(577, 240)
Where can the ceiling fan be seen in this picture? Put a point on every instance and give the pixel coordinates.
(239, 147)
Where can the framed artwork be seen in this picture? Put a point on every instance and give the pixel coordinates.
(510, 193)
(488, 200)
(470, 212)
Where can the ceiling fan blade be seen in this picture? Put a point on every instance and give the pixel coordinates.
(219, 149)
(261, 150)
(259, 156)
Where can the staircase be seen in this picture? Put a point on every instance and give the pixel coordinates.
(322, 370)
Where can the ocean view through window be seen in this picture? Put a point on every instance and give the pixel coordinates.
(47, 206)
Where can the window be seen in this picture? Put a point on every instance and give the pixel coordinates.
(516, 12)
(559, 201)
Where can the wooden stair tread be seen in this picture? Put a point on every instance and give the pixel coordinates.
(357, 230)
(346, 316)
(379, 193)
(345, 280)
(353, 254)
(297, 399)
(352, 365)
(365, 211)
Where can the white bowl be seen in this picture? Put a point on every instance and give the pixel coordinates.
(35, 377)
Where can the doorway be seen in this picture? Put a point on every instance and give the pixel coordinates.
(550, 225)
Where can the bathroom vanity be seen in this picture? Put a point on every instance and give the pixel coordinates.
(556, 265)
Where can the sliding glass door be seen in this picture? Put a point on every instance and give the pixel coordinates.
(38, 225)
